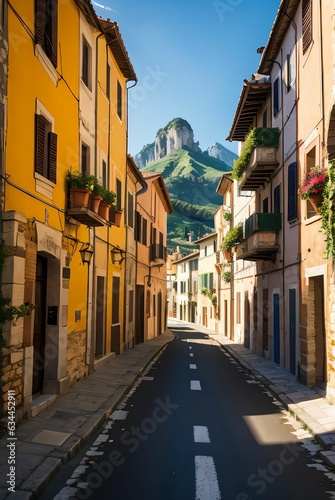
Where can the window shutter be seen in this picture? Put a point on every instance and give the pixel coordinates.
(52, 156)
(138, 226)
(39, 21)
(39, 144)
(292, 192)
(276, 200)
(54, 34)
(306, 24)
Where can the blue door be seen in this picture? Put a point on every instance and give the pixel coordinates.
(276, 329)
(292, 329)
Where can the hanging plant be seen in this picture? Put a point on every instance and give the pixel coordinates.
(327, 210)
(232, 238)
(210, 294)
(226, 276)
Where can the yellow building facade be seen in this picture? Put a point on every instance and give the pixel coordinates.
(67, 110)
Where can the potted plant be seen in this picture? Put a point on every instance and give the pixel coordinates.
(233, 238)
(115, 217)
(226, 276)
(80, 186)
(312, 185)
(96, 197)
(108, 199)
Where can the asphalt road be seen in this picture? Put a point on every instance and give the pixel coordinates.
(196, 426)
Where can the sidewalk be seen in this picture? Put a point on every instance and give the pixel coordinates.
(51, 438)
(315, 413)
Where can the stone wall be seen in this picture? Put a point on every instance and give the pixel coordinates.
(12, 379)
(76, 356)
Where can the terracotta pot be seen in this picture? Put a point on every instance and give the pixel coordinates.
(104, 210)
(316, 201)
(227, 255)
(95, 203)
(79, 197)
(234, 249)
(115, 217)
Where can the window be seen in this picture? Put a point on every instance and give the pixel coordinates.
(276, 200)
(145, 231)
(131, 305)
(119, 100)
(85, 158)
(307, 28)
(266, 205)
(292, 192)
(108, 81)
(238, 307)
(118, 194)
(130, 211)
(45, 149)
(46, 22)
(86, 64)
(276, 97)
(104, 179)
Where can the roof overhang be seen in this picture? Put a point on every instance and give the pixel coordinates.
(284, 18)
(89, 13)
(224, 184)
(115, 42)
(253, 95)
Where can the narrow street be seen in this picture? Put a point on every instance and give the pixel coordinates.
(196, 426)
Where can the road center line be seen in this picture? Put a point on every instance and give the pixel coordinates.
(193, 367)
(191, 354)
(195, 385)
(206, 481)
(201, 434)
(190, 347)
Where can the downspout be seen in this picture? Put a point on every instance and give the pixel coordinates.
(322, 87)
(92, 235)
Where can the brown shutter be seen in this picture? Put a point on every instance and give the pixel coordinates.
(39, 21)
(52, 156)
(39, 144)
(54, 24)
(306, 24)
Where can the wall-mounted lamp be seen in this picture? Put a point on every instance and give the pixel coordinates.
(118, 255)
(86, 253)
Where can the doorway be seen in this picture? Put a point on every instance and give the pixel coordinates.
(39, 324)
(320, 333)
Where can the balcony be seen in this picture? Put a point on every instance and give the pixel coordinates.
(158, 254)
(260, 237)
(258, 158)
(86, 216)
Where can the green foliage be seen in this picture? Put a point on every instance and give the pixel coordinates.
(233, 237)
(257, 137)
(108, 197)
(327, 210)
(8, 312)
(227, 216)
(81, 180)
(226, 276)
(210, 294)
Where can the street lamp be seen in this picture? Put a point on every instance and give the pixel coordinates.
(86, 253)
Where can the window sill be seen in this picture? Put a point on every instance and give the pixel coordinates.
(86, 89)
(46, 63)
(310, 220)
(44, 186)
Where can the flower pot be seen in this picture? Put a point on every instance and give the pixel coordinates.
(227, 255)
(316, 201)
(234, 249)
(104, 210)
(115, 217)
(95, 203)
(79, 197)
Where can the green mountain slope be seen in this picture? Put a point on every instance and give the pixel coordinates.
(191, 179)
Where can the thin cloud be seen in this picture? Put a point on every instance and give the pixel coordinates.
(103, 6)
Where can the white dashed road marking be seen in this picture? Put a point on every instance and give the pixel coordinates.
(193, 367)
(195, 385)
(191, 354)
(200, 433)
(206, 481)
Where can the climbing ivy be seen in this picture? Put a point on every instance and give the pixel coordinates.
(327, 211)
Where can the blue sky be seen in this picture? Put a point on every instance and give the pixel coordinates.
(191, 58)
